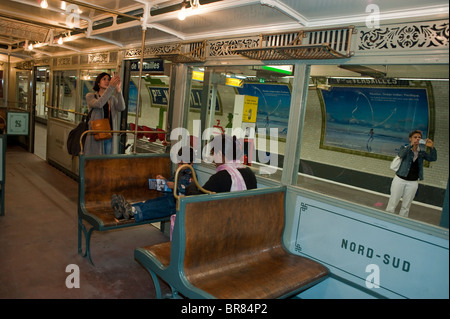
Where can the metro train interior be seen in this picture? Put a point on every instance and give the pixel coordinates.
(323, 93)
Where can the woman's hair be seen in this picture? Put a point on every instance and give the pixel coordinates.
(98, 79)
(415, 132)
(184, 153)
(230, 146)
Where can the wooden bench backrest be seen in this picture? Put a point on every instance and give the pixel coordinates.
(127, 175)
(222, 232)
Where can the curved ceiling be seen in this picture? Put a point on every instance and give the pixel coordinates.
(94, 25)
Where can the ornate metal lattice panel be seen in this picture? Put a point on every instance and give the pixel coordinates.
(186, 53)
(303, 45)
(406, 37)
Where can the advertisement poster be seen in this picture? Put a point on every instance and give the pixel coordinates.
(373, 120)
(274, 103)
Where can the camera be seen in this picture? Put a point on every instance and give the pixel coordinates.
(422, 141)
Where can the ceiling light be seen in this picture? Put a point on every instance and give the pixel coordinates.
(44, 4)
(30, 46)
(60, 40)
(182, 13)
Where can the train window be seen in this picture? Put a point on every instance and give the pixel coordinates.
(42, 91)
(23, 83)
(253, 101)
(354, 125)
(65, 95)
(150, 114)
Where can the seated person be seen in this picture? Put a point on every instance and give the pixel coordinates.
(162, 206)
(230, 174)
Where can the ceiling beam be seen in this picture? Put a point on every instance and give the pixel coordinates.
(101, 9)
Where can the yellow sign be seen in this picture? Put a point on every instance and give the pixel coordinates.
(234, 82)
(198, 76)
(250, 109)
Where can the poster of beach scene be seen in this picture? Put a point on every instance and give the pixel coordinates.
(274, 102)
(373, 121)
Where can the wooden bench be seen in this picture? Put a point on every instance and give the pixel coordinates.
(103, 176)
(229, 246)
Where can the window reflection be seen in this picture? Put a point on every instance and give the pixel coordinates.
(354, 126)
(347, 171)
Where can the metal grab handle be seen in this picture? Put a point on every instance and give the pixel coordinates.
(194, 177)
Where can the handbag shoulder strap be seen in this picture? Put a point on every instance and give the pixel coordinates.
(88, 117)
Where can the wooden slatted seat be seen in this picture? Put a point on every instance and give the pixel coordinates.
(229, 246)
(103, 176)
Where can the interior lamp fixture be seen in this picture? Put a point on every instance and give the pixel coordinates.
(182, 13)
(60, 40)
(30, 46)
(44, 4)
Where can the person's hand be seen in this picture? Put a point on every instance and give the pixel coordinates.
(116, 82)
(170, 184)
(160, 177)
(429, 143)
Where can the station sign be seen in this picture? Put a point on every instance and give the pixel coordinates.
(149, 66)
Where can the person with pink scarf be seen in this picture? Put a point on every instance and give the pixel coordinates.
(231, 175)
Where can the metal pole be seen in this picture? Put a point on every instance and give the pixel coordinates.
(138, 105)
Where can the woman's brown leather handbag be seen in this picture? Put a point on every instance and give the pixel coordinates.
(101, 125)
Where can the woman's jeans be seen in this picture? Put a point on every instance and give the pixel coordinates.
(108, 146)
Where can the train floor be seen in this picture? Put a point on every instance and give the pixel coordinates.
(38, 240)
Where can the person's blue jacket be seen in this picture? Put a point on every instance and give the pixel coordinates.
(407, 156)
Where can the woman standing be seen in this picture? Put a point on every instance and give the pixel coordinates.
(106, 102)
(406, 180)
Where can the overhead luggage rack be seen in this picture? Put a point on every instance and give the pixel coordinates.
(303, 45)
(186, 53)
(299, 52)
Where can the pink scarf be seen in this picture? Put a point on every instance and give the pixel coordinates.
(237, 181)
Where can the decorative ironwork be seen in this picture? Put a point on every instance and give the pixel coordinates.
(98, 58)
(303, 45)
(18, 30)
(192, 52)
(225, 48)
(63, 61)
(406, 37)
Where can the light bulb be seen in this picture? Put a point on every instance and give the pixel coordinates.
(182, 14)
(30, 46)
(60, 40)
(44, 4)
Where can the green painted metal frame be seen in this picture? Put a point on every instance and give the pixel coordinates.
(97, 223)
(174, 274)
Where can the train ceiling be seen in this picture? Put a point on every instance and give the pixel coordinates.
(27, 29)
